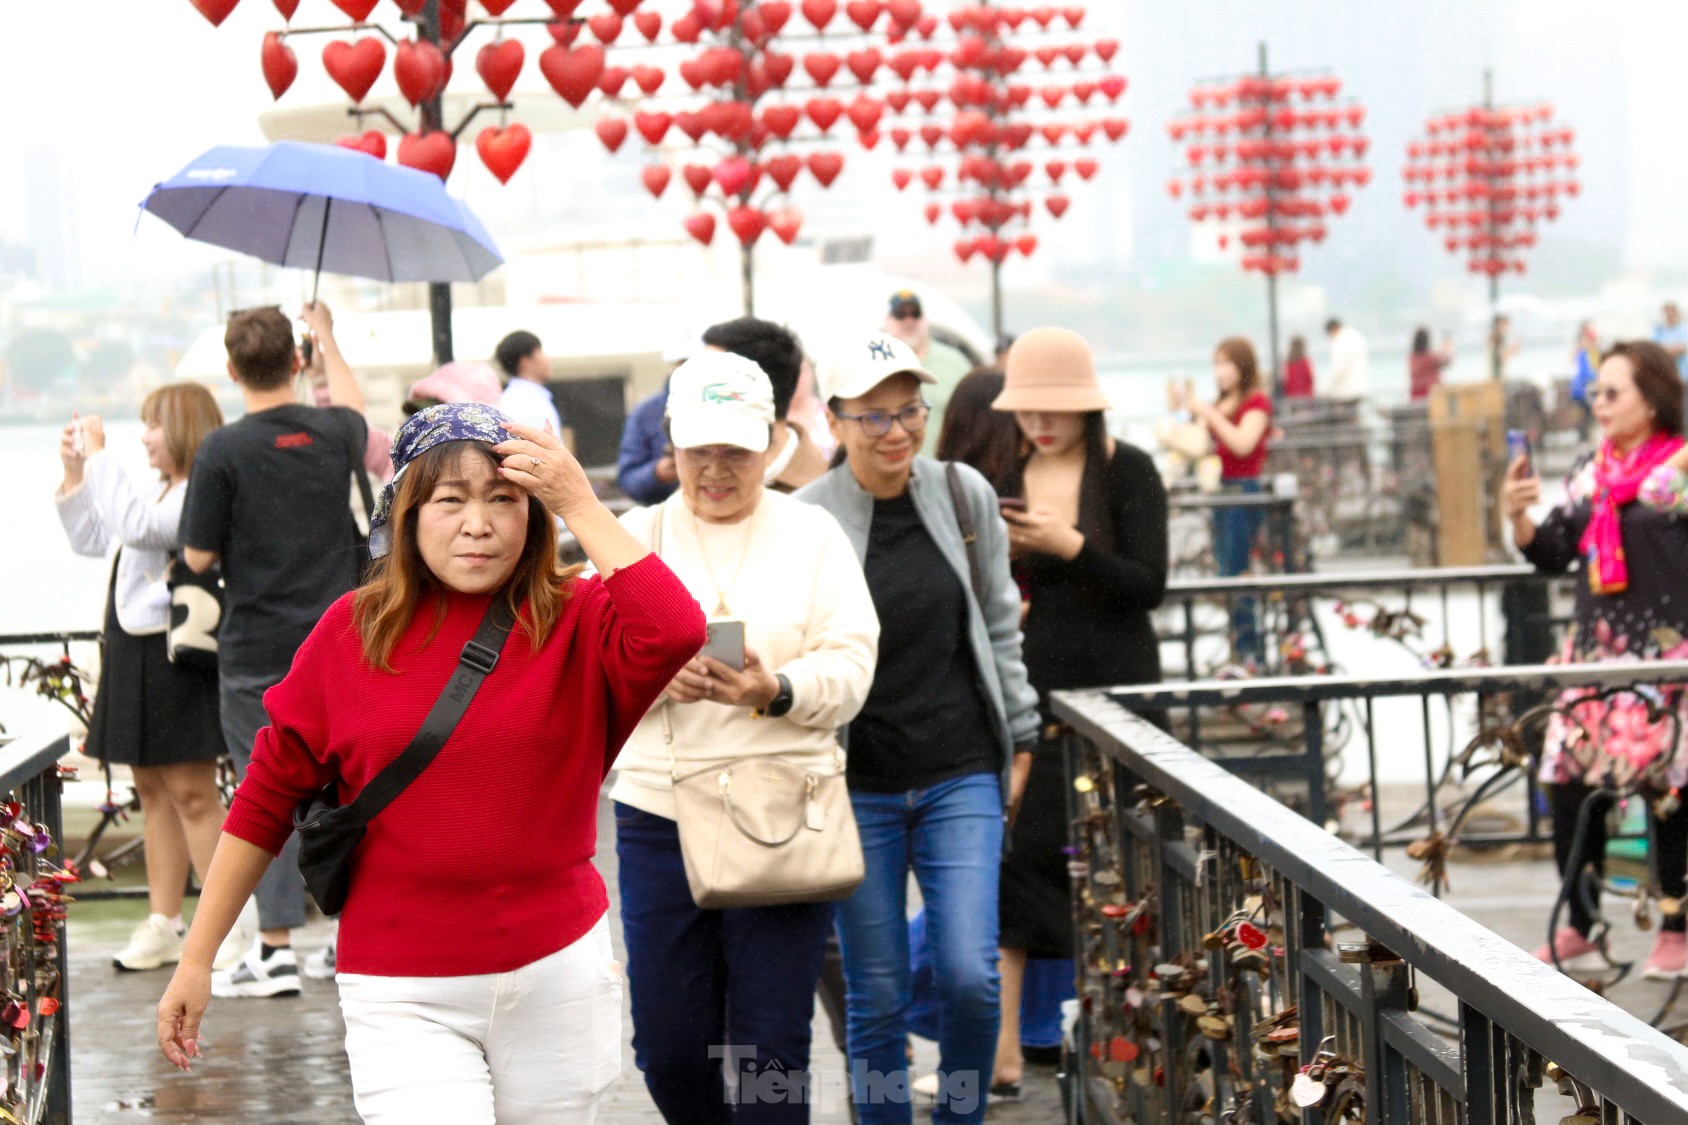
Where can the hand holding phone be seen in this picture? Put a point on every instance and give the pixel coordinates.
(1011, 504)
(1518, 446)
(726, 642)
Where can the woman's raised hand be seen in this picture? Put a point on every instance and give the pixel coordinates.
(540, 463)
(1522, 489)
(70, 456)
(93, 435)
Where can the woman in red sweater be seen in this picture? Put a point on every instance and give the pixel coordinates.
(474, 891)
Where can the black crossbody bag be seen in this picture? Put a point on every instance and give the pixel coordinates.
(329, 832)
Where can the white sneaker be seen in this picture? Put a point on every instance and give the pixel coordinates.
(926, 1087)
(320, 965)
(255, 975)
(154, 944)
(239, 938)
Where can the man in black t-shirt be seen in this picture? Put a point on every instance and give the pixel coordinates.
(269, 497)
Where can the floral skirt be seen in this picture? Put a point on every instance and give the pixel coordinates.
(1621, 740)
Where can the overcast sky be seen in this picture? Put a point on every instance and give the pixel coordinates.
(132, 89)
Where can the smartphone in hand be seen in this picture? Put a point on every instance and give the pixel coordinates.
(1518, 445)
(726, 642)
(1011, 504)
(78, 442)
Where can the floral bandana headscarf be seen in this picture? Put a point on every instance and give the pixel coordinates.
(422, 431)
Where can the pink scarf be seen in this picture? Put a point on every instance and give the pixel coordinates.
(1617, 482)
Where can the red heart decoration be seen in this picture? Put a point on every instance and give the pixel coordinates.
(864, 63)
(648, 78)
(611, 131)
(964, 249)
(419, 69)
(433, 151)
(572, 72)
(928, 99)
(690, 124)
(786, 223)
(1053, 132)
(606, 27)
(499, 65)
(215, 10)
(901, 137)
(1112, 87)
(780, 120)
(686, 29)
(869, 140)
(502, 150)
(656, 177)
(496, 8)
(1115, 127)
(934, 212)
(411, 7)
(819, 13)
(649, 24)
(824, 112)
(748, 223)
(825, 166)
(865, 113)
(285, 7)
(897, 99)
(863, 13)
(932, 176)
(697, 177)
(615, 77)
(775, 15)
(701, 227)
(624, 7)
(1025, 244)
(778, 68)
(695, 73)
(281, 65)
(904, 13)
(652, 126)
(821, 67)
(355, 66)
(563, 9)
(358, 10)
(1086, 168)
(1057, 205)
(783, 169)
(1056, 169)
(901, 177)
(564, 33)
(371, 142)
(452, 22)
(933, 135)
(733, 174)
(925, 26)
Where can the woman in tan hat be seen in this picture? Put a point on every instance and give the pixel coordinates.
(1239, 420)
(1087, 528)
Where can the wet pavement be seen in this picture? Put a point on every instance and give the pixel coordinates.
(282, 1061)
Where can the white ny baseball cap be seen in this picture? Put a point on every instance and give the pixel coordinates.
(718, 398)
(855, 369)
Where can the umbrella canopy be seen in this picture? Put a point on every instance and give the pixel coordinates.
(321, 207)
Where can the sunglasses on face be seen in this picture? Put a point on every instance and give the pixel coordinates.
(877, 423)
(1598, 393)
(906, 314)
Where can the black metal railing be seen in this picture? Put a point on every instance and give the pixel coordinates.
(1280, 546)
(34, 957)
(1288, 733)
(1416, 608)
(1239, 964)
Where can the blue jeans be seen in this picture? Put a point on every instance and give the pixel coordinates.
(1234, 533)
(715, 986)
(240, 701)
(950, 836)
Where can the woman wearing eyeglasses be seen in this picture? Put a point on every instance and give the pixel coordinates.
(941, 749)
(784, 572)
(1624, 515)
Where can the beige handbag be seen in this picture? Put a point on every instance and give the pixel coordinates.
(763, 831)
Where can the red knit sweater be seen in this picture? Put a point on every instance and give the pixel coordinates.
(484, 864)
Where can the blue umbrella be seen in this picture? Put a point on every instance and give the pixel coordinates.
(325, 207)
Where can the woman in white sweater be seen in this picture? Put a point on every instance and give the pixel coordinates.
(703, 978)
(150, 715)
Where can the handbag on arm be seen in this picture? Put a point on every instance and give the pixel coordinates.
(329, 832)
(762, 830)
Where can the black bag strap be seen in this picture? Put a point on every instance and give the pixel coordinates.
(969, 535)
(478, 658)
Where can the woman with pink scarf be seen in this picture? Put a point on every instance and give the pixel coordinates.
(1625, 518)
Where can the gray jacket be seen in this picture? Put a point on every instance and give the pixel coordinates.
(994, 629)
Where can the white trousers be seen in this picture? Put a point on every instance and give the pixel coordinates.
(540, 1044)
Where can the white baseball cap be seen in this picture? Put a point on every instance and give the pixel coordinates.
(855, 369)
(718, 398)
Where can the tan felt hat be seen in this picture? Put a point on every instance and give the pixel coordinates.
(1053, 370)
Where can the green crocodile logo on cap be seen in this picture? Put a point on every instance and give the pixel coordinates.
(721, 392)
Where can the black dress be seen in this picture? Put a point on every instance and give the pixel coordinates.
(147, 711)
(1088, 627)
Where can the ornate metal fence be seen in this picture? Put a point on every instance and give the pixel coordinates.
(1239, 964)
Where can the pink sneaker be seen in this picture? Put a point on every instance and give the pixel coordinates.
(1669, 956)
(1576, 953)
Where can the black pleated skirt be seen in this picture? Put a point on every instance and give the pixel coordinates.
(1035, 902)
(147, 711)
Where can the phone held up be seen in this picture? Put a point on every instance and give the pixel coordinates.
(726, 642)
(1011, 504)
(1518, 445)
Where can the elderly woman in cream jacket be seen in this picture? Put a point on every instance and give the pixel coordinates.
(701, 978)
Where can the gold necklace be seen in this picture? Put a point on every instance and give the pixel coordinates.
(721, 592)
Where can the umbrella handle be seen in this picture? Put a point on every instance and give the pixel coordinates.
(322, 243)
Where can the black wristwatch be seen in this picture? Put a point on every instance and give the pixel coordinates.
(780, 705)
